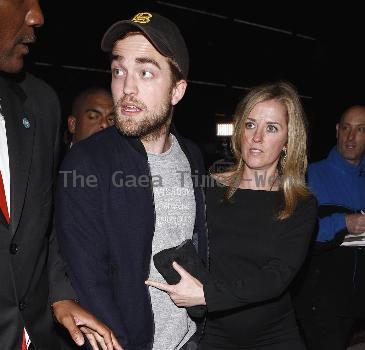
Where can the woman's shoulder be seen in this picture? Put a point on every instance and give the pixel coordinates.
(216, 187)
(223, 178)
(309, 200)
(307, 204)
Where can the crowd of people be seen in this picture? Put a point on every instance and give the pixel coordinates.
(280, 248)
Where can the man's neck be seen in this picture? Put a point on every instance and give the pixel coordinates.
(159, 145)
(355, 162)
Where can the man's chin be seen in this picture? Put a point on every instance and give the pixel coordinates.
(351, 157)
(127, 131)
(12, 66)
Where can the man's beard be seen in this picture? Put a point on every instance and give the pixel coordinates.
(151, 127)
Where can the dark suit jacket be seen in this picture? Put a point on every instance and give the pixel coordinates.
(31, 272)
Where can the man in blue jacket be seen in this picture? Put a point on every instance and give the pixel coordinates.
(130, 191)
(332, 296)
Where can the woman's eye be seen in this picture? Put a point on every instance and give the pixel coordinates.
(249, 125)
(272, 128)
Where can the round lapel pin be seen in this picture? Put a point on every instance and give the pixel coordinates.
(26, 123)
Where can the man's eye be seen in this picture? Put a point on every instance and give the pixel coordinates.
(362, 129)
(146, 74)
(118, 72)
(93, 116)
(272, 128)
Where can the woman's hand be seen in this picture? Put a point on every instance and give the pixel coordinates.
(188, 292)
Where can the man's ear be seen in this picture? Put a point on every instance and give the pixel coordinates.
(178, 91)
(337, 127)
(71, 124)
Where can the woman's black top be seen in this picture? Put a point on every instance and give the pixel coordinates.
(253, 259)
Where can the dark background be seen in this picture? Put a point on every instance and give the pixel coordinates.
(233, 46)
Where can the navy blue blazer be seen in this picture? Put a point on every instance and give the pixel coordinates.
(105, 221)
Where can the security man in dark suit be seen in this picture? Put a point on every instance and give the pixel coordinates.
(33, 280)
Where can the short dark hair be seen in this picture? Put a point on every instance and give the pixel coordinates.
(176, 73)
(80, 98)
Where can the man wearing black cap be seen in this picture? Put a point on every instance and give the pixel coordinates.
(127, 192)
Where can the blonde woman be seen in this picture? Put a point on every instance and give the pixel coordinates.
(260, 219)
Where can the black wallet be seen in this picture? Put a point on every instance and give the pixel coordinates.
(187, 257)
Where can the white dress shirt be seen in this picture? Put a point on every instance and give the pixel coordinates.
(4, 159)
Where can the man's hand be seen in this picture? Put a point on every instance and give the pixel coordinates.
(79, 322)
(188, 292)
(355, 223)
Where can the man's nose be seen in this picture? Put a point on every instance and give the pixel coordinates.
(130, 86)
(34, 17)
(351, 134)
(104, 122)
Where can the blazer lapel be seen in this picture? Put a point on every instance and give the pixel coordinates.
(20, 127)
(3, 220)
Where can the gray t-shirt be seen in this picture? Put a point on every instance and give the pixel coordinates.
(175, 218)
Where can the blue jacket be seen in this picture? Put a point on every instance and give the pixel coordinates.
(105, 221)
(335, 181)
(332, 278)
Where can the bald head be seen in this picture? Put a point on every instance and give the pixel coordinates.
(352, 111)
(92, 111)
(351, 134)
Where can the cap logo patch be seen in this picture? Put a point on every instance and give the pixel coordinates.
(142, 17)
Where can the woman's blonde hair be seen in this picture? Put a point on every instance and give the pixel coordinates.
(292, 167)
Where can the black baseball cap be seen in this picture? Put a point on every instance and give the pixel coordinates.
(163, 34)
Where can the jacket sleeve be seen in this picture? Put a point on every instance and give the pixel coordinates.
(274, 277)
(83, 240)
(330, 225)
(59, 285)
